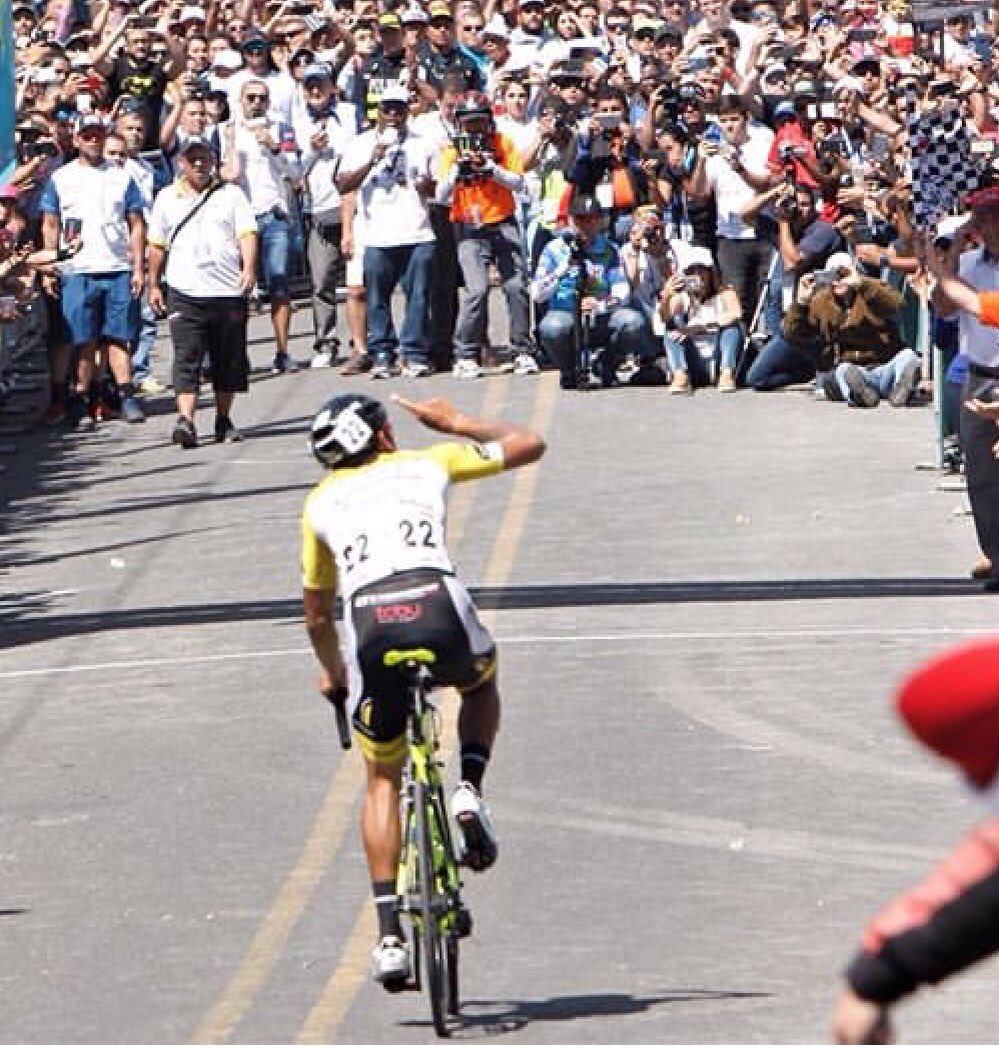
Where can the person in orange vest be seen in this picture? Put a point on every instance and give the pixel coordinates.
(480, 171)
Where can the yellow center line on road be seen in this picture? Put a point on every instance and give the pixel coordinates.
(320, 847)
(330, 1009)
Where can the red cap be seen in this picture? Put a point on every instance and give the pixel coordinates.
(988, 197)
(951, 705)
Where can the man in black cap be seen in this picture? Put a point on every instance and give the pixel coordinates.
(439, 55)
(203, 241)
(580, 277)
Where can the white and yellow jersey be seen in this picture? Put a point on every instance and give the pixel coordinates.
(363, 524)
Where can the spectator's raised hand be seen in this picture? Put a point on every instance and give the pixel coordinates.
(806, 288)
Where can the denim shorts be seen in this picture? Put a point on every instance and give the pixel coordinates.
(98, 306)
(275, 251)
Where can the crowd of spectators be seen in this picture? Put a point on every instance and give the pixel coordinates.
(675, 192)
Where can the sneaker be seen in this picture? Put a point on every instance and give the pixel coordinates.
(827, 388)
(77, 413)
(382, 369)
(390, 963)
(982, 568)
(283, 364)
(475, 829)
(149, 387)
(416, 369)
(681, 383)
(904, 385)
(726, 381)
(225, 431)
(322, 359)
(525, 364)
(55, 414)
(357, 365)
(184, 433)
(862, 393)
(131, 410)
(466, 369)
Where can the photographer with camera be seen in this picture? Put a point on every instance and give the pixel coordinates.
(480, 172)
(853, 318)
(608, 162)
(734, 170)
(323, 130)
(581, 279)
(804, 243)
(703, 320)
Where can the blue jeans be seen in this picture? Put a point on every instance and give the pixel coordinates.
(683, 355)
(410, 265)
(275, 253)
(617, 334)
(143, 345)
(882, 377)
(781, 363)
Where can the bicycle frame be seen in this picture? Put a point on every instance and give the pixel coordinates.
(427, 883)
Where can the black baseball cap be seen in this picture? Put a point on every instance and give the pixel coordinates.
(585, 205)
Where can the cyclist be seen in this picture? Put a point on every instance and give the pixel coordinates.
(951, 920)
(374, 531)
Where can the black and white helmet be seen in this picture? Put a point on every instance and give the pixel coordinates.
(343, 432)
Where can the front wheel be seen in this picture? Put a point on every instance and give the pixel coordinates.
(431, 939)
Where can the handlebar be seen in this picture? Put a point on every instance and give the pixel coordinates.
(337, 698)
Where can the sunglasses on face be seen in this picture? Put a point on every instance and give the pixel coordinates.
(255, 98)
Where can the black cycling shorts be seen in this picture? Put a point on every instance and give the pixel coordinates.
(414, 609)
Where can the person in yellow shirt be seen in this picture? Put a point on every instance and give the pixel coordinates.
(373, 532)
(480, 172)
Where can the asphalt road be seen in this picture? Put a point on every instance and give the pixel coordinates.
(703, 605)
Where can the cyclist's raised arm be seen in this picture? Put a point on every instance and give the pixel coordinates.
(521, 445)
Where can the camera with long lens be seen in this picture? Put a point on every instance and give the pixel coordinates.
(472, 150)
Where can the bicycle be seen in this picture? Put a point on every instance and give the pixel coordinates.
(427, 884)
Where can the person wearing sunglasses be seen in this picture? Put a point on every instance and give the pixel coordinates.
(260, 155)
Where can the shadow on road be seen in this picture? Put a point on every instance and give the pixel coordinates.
(21, 623)
(493, 1018)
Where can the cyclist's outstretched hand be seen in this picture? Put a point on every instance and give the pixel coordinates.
(856, 1021)
(436, 413)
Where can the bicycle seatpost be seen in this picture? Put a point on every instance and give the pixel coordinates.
(337, 698)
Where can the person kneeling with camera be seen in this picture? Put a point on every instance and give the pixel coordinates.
(581, 277)
(703, 316)
(853, 318)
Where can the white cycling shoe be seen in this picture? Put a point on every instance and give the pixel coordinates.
(477, 839)
(390, 963)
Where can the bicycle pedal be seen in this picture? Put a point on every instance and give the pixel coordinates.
(463, 923)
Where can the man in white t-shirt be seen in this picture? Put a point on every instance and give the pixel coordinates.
(260, 155)
(203, 246)
(390, 170)
(323, 129)
(101, 205)
(735, 170)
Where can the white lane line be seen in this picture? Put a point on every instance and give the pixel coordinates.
(574, 638)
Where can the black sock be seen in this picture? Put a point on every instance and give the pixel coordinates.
(474, 758)
(387, 906)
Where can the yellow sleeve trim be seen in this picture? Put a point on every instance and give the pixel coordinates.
(464, 461)
(247, 233)
(153, 242)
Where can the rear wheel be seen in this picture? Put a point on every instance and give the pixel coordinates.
(451, 951)
(434, 953)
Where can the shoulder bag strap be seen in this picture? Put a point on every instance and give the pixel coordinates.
(194, 210)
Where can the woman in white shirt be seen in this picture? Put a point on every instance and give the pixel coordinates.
(703, 319)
